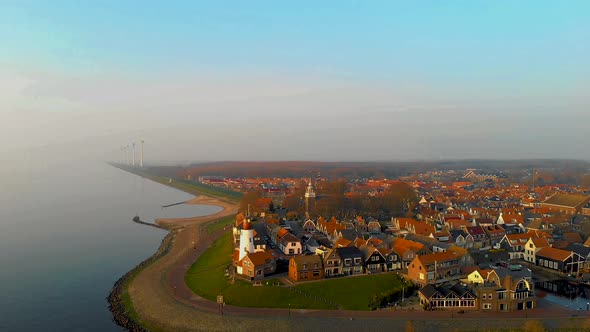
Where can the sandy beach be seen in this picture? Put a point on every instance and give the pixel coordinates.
(226, 209)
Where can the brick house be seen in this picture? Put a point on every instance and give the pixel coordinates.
(304, 268)
(506, 290)
(432, 268)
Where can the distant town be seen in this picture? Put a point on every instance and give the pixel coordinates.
(466, 240)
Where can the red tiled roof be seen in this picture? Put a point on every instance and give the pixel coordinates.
(554, 254)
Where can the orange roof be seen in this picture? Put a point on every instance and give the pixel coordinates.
(342, 242)
(261, 257)
(572, 237)
(554, 253)
(282, 232)
(540, 242)
(402, 245)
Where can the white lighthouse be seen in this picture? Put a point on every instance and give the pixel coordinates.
(246, 240)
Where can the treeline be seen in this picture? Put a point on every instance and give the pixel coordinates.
(562, 171)
(334, 199)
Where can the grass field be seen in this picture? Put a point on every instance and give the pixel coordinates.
(190, 187)
(220, 223)
(206, 277)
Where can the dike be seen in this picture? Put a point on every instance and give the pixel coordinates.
(116, 304)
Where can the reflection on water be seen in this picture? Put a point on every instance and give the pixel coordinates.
(565, 293)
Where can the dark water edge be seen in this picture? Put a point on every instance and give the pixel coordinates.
(116, 304)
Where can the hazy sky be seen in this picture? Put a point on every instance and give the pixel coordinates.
(321, 80)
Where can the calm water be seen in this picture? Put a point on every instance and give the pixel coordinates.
(66, 236)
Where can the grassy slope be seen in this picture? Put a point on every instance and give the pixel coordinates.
(206, 278)
(220, 223)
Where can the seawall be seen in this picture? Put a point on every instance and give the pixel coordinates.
(116, 303)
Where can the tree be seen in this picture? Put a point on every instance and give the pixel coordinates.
(249, 199)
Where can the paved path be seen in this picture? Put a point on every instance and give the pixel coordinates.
(164, 302)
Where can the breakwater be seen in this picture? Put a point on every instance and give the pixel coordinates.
(139, 221)
(116, 300)
(173, 204)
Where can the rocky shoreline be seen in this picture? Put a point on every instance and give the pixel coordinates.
(116, 305)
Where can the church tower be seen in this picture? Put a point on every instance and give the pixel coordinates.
(309, 197)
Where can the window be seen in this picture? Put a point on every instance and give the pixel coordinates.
(347, 261)
(305, 266)
(316, 273)
(487, 306)
(357, 260)
(421, 276)
(484, 296)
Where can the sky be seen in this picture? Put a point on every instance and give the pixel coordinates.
(301, 80)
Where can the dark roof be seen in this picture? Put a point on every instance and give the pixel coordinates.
(579, 249)
(428, 291)
(523, 273)
(349, 252)
(455, 233)
(349, 234)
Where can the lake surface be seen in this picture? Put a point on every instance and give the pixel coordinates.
(66, 236)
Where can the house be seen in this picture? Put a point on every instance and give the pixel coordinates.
(343, 261)
(374, 260)
(305, 268)
(332, 263)
(480, 238)
(290, 244)
(407, 250)
(455, 297)
(560, 260)
(393, 260)
(310, 244)
(435, 267)
(582, 251)
(351, 260)
(256, 266)
(495, 233)
(309, 226)
(478, 276)
(533, 245)
(566, 203)
(462, 238)
(506, 290)
(514, 244)
(414, 226)
(374, 227)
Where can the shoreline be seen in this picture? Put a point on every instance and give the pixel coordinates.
(119, 309)
(162, 301)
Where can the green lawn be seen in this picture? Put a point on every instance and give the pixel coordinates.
(218, 224)
(353, 293)
(206, 277)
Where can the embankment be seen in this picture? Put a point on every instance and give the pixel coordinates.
(116, 298)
